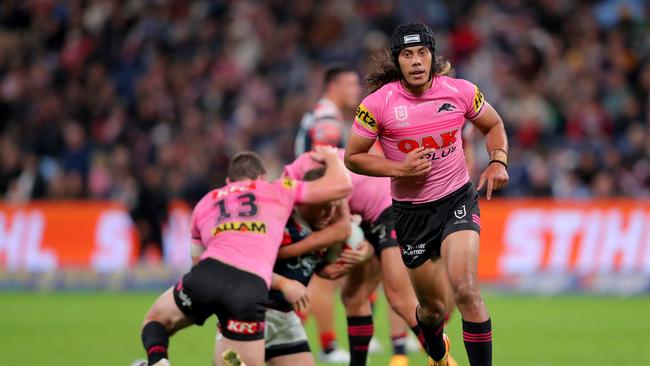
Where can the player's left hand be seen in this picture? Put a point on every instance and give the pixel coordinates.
(333, 271)
(496, 177)
(354, 257)
(296, 294)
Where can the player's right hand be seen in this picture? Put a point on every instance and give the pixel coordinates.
(296, 294)
(415, 163)
(322, 153)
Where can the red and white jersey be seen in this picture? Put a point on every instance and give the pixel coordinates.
(323, 125)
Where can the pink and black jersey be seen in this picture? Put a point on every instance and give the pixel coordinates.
(370, 195)
(242, 223)
(403, 121)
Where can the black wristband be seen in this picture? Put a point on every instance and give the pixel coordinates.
(498, 161)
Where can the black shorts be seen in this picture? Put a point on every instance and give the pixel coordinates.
(421, 228)
(381, 233)
(238, 298)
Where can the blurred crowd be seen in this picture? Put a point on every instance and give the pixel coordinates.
(143, 101)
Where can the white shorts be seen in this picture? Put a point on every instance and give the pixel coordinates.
(284, 334)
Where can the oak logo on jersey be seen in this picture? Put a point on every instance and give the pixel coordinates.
(401, 113)
(443, 140)
(478, 100)
(257, 227)
(366, 119)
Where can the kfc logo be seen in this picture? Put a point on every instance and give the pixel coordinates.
(240, 327)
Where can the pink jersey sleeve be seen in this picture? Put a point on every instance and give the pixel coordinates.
(195, 233)
(472, 98)
(300, 166)
(195, 227)
(291, 191)
(365, 123)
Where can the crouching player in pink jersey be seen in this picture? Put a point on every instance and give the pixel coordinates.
(417, 113)
(236, 232)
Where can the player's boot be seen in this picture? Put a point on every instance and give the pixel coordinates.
(338, 355)
(412, 344)
(445, 359)
(451, 361)
(399, 360)
(162, 362)
(374, 346)
(231, 358)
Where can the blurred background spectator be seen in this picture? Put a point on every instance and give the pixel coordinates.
(144, 101)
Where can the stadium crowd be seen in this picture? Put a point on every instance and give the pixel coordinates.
(144, 101)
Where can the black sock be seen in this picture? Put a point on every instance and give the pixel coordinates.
(360, 329)
(433, 338)
(418, 333)
(155, 340)
(399, 344)
(478, 342)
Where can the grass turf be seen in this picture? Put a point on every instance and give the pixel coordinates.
(103, 329)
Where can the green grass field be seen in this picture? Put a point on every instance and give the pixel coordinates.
(103, 329)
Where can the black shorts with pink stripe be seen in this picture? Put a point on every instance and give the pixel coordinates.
(421, 228)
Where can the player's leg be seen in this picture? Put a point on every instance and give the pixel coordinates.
(398, 338)
(401, 299)
(251, 353)
(241, 311)
(285, 340)
(460, 253)
(359, 284)
(428, 281)
(303, 358)
(322, 294)
(161, 321)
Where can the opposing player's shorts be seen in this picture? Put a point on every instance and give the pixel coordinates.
(284, 334)
(237, 297)
(421, 228)
(381, 233)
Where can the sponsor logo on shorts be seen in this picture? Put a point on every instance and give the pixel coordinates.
(460, 213)
(413, 250)
(257, 227)
(241, 327)
(185, 300)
